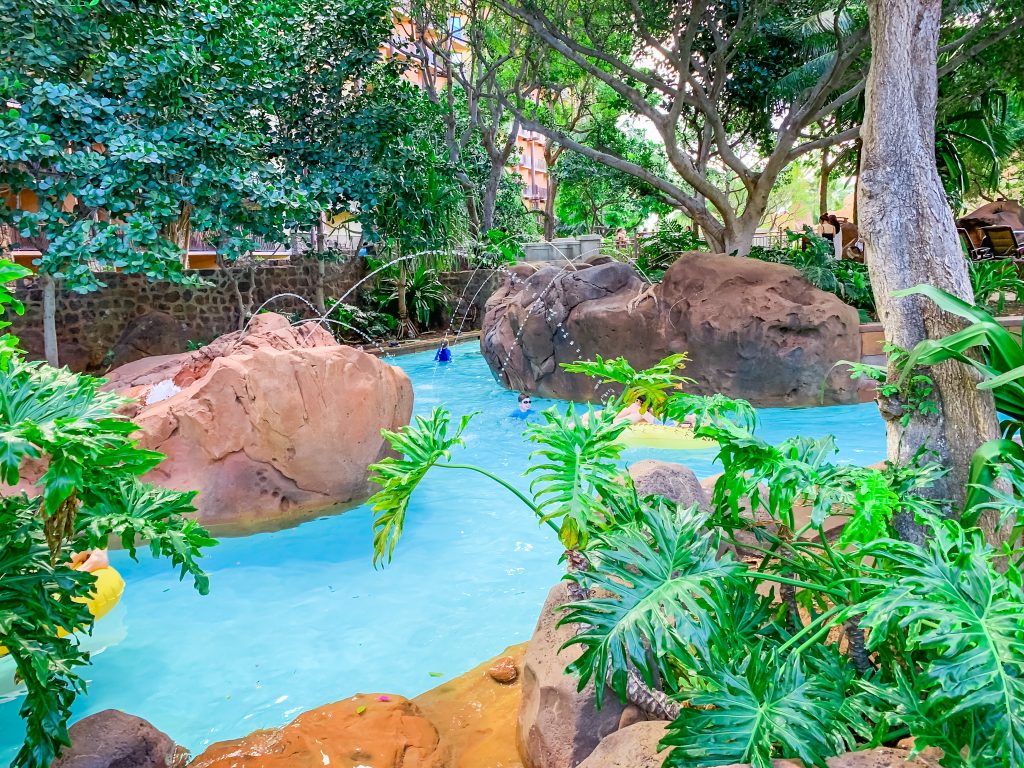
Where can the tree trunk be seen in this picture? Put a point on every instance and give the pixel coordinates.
(321, 265)
(49, 319)
(910, 238)
(490, 198)
(823, 177)
(549, 207)
(179, 231)
(738, 238)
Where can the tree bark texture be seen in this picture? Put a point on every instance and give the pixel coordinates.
(910, 238)
(50, 319)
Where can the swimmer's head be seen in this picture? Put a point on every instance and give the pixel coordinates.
(525, 401)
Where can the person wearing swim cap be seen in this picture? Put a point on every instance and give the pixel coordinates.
(444, 354)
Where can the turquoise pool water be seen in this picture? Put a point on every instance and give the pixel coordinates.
(298, 618)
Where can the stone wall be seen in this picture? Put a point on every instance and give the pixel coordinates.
(470, 290)
(91, 326)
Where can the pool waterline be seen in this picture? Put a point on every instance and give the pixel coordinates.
(297, 618)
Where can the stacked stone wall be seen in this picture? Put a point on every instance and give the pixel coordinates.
(90, 325)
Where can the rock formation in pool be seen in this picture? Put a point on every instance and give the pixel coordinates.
(753, 329)
(270, 425)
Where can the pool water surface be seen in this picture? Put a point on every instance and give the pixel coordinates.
(298, 618)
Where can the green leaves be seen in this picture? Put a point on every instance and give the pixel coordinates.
(1001, 362)
(89, 491)
(961, 618)
(662, 581)
(651, 387)
(757, 706)
(577, 480)
(421, 445)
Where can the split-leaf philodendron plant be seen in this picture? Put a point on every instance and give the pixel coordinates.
(786, 619)
(89, 492)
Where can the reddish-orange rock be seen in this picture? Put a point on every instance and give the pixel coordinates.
(359, 731)
(477, 716)
(504, 670)
(271, 425)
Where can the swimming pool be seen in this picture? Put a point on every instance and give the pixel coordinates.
(298, 618)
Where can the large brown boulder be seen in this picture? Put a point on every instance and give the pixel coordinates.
(270, 426)
(149, 335)
(752, 329)
(632, 747)
(113, 739)
(364, 730)
(559, 726)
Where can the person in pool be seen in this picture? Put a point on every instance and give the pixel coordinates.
(444, 355)
(525, 408)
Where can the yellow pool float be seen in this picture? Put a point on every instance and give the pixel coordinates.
(646, 435)
(107, 592)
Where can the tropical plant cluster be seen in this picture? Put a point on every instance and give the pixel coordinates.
(784, 620)
(69, 470)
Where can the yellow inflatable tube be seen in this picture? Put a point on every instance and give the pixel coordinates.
(645, 435)
(107, 592)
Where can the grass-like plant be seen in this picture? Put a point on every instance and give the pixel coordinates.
(782, 637)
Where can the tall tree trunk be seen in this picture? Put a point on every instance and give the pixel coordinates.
(321, 265)
(910, 238)
(49, 319)
(823, 179)
(856, 183)
(406, 329)
(490, 197)
(549, 207)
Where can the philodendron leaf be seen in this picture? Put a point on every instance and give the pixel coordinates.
(422, 444)
(659, 584)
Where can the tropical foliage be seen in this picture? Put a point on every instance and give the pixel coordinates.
(62, 442)
(815, 257)
(787, 619)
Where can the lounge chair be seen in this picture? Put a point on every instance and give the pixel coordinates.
(974, 252)
(1002, 242)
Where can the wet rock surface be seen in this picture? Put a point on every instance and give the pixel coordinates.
(559, 726)
(271, 426)
(113, 739)
(752, 329)
(382, 731)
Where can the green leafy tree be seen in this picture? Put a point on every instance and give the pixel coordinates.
(88, 493)
(131, 125)
(711, 80)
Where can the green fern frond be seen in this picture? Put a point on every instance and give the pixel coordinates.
(578, 481)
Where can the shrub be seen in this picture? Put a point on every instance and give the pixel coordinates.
(90, 491)
(669, 601)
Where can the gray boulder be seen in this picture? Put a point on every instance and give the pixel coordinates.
(675, 482)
